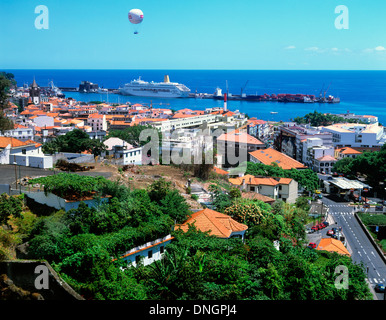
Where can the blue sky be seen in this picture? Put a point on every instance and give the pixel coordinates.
(195, 34)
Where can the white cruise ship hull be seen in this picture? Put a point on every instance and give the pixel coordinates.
(153, 92)
(164, 89)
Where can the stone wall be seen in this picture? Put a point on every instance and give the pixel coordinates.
(22, 275)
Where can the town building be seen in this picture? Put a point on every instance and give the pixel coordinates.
(346, 152)
(288, 138)
(317, 156)
(285, 189)
(23, 153)
(269, 156)
(356, 135)
(147, 253)
(216, 223)
(235, 147)
(122, 152)
(97, 122)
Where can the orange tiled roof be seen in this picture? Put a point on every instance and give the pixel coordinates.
(240, 137)
(267, 156)
(332, 245)
(5, 141)
(220, 171)
(266, 181)
(327, 158)
(348, 150)
(218, 224)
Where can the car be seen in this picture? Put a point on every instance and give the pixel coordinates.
(321, 226)
(366, 205)
(326, 223)
(315, 228)
(330, 232)
(312, 245)
(317, 191)
(379, 287)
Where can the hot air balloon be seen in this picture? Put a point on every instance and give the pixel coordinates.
(136, 17)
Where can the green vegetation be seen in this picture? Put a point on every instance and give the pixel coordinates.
(371, 165)
(84, 245)
(74, 141)
(371, 221)
(6, 82)
(73, 186)
(317, 119)
(305, 177)
(132, 134)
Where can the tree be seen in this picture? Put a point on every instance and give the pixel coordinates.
(249, 212)
(10, 206)
(6, 81)
(74, 141)
(132, 134)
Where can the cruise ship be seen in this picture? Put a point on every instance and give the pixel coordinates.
(164, 89)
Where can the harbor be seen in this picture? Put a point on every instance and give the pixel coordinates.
(218, 95)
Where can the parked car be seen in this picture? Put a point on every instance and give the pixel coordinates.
(321, 226)
(312, 245)
(330, 232)
(366, 205)
(326, 223)
(379, 287)
(315, 228)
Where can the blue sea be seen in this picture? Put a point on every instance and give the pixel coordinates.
(360, 92)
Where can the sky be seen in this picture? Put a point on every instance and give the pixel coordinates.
(194, 34)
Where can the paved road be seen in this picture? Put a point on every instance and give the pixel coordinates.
(360, 247)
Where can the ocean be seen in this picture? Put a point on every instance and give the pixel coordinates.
(360, 92)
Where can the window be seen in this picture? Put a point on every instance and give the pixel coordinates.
(150, 254)
(162, 249)
(137, 259)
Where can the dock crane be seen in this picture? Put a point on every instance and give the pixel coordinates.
(242, 89)
(324, 97)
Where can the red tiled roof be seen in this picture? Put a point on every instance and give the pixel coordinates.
(216, 223)
(267, 156)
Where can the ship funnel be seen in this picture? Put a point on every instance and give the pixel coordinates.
(166, 78)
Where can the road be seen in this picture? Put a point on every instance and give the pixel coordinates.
(360, 247)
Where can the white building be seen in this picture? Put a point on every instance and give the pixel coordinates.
(285, 189)
(318, 156)
(97, 122)
(148, 252)
(356, 135)
(122, 151)
(28, 153)
(20, 132)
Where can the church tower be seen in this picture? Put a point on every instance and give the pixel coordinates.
(34, 93)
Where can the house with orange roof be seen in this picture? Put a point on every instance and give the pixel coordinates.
(215, 223)
(346, 152)
(269, 156)
(23, 153)
(333, 245)
(234, 147)
(97, 122)
(285, 189)
(258, 128)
